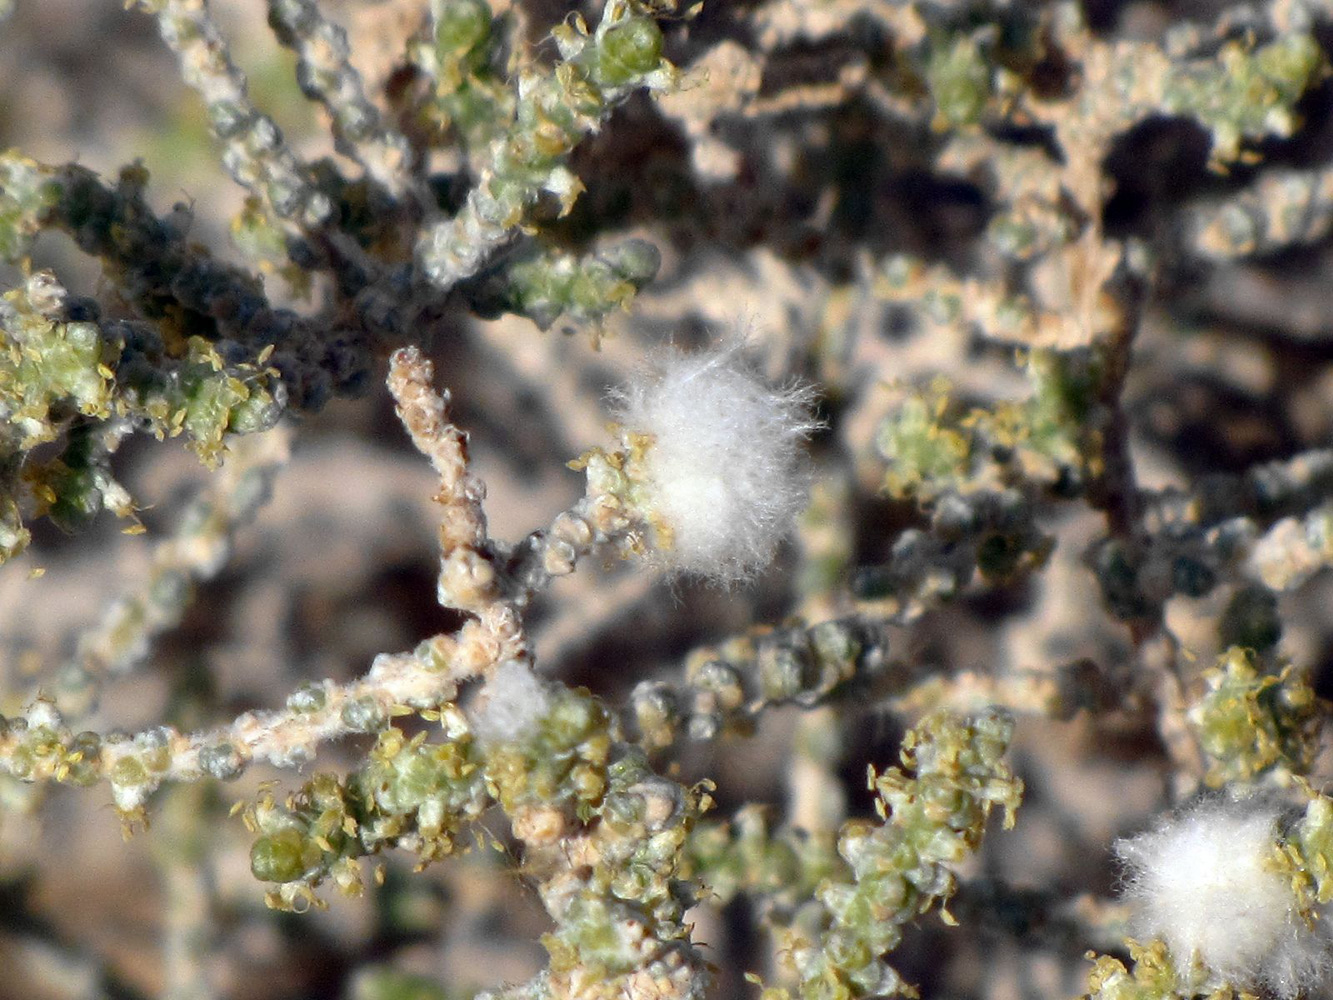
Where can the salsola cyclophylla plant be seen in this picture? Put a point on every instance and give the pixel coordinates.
(1038, 494)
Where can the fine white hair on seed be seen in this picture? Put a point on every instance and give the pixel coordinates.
(510, 704)
(726, 465)
(1207, 882)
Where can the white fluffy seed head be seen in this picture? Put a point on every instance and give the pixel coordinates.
(725, 466)
(510, 704)
(1207, 883)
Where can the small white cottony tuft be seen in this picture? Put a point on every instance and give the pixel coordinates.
(510, 704)
(725, 467)
(1208, 883)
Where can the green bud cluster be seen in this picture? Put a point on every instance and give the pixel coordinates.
(51, 369)
(410, 793)
(546, 285)
(173, 284)
(924, 448)
(470, 99)
(1247, 91)
(560, 763)
(67, 376)
(38, 745)
(1151, 976)
(1309, 855)
(598, 69)
(782, 867)
(623, 919)
(1042, 441)
(959, 78)
(933, 814)
(980, 475)
(1250, 722)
